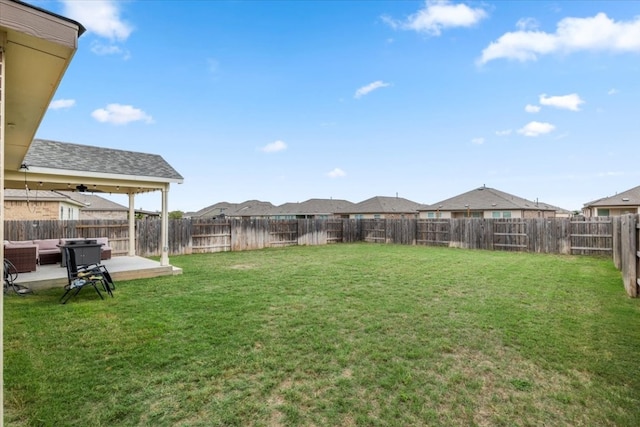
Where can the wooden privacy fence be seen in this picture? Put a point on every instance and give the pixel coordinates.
(615, 237)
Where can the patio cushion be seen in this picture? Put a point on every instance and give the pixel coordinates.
(48, 251)
(105, 249)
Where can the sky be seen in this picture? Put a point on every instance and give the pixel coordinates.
(284, 101)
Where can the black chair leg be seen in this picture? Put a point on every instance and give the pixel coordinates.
(68, 292)
(77, 291)
(97, 290)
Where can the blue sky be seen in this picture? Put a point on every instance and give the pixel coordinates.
(284, 101)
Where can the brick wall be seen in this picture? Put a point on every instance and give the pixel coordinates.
(84, 214)
(14, 209)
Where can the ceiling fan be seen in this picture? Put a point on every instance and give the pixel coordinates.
(80, 188)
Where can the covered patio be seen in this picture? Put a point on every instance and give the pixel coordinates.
(63, 166)
(36, 47)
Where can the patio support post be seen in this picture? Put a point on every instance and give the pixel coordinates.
(2, 135)
(3, 67)
(132, 225)
(164, 234)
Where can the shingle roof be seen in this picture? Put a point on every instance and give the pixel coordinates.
(252, 208)
(246, 208)
(382, 204)
(485, 198)
(215, 210)
(312, 207)
(13, 194)
(36, 195)
(94, 202)
(76, 157)
(630, 197)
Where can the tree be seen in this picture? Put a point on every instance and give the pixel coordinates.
(176, 214)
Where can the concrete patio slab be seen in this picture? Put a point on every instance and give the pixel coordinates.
(120, 268)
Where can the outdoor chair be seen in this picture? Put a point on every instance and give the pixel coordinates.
(80, 277)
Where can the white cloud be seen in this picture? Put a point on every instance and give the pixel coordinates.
(536, 129)
(118, 114)
(566, 102)
(505, 132)
(364, 90)
(437, 15)
(59, 104)
(477, 141)
(274, 147)
(101, 17)
(532, 108)
(598, 33)
(524, 24)
(108, 49)
(613, 91)
(336, 173)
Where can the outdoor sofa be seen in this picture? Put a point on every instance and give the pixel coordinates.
(25, 255)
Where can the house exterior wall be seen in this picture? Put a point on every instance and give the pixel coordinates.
(39, 209)
(383, 216)
(539, 214)
(610, 210)
(434, 215)
(17, 209)
(94, 214)
(489, 214)
(502, 214)
(68, 211)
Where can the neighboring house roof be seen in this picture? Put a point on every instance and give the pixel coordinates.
(312, 207)
(382, 205)
(215, 209)
(247, 208)
(93, 202)
(39, 196)
(485, 198)
(630, 197)
(85, 201)
(67, 156)
(253, 208)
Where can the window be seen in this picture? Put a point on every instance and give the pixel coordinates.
(431, 214)
(603, 212)
(498, 214)
(376, 216)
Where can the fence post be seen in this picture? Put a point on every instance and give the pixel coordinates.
(629, 255)
(616, 242)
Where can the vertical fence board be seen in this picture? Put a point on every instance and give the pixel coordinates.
(629, 254)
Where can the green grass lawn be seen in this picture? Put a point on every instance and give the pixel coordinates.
(339, 335)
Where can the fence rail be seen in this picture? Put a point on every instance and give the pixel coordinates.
(615, 237)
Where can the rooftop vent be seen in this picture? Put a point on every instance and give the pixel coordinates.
(625, 199)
